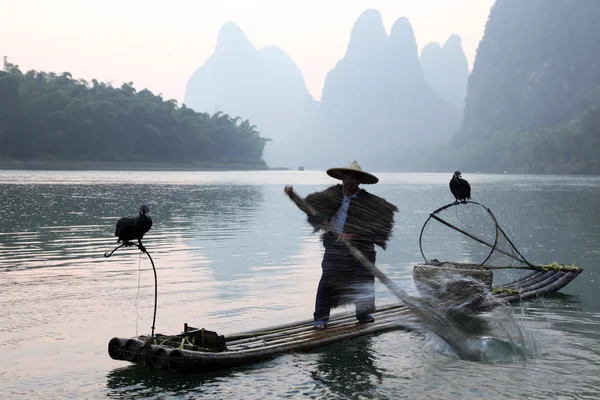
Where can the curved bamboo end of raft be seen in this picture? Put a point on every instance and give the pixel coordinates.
(176, 361)
(115, 348)
(130, 349)
(161, 357)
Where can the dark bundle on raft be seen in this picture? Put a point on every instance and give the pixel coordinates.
(199, 350)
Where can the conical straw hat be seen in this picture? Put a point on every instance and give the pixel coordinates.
(365, 177)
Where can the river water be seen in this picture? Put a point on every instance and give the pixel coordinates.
(233, 253)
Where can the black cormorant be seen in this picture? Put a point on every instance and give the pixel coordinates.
(132, 228)
(460, 188)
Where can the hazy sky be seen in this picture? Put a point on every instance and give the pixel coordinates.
(158, 44)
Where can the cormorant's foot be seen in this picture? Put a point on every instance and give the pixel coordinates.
(141, 246)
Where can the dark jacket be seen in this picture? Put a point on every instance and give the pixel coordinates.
(370, 218)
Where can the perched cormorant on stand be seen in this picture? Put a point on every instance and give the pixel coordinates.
(132, 228)
(460, 188)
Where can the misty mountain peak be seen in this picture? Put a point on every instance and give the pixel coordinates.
(402, 31)
(369, 21)
(403, 52)
(230, 33)
(264, 86)
(368, 34)
(454, 42)
(446, 69)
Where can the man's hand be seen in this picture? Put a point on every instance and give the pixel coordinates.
(344, 237)
(288, 189)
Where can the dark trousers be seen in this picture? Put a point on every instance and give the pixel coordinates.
(345, 280)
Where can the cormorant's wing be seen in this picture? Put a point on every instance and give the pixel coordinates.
(455, 187)
(122, 224)
(467, 189)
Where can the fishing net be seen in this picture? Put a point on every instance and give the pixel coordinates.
(467, 234)
(461, 238)
(461, 244)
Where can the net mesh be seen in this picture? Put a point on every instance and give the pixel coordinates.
(467, 233)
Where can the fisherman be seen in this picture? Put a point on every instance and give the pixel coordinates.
(355, 215)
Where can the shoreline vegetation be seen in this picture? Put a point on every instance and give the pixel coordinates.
(70, 123)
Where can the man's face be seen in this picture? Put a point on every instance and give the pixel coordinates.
(351, 182)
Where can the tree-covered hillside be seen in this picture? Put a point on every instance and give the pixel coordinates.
(45, 116)
(534, 93)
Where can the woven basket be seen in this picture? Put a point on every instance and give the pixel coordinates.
(424, 272)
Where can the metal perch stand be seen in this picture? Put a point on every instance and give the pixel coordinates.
(143, 250)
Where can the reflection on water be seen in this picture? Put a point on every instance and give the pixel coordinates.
(52, 226)
(348, 369)
(343, 370)
(135, 382)
(233, 254)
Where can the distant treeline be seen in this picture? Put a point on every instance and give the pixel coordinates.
(45, 116)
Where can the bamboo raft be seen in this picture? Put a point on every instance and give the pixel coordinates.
(252, 346)
(198, 350)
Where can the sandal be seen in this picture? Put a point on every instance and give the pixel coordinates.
(320, 325)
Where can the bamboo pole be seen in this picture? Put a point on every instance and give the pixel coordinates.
(309, 327)
(161, 357)
(181, 360)
(277, 328)
(523, 279)
(539, 284)
(550, 288)
(531, 282)
(308, 333)
(130, 349)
